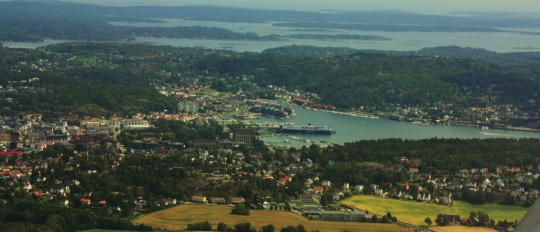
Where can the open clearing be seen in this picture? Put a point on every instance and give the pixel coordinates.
(415, 212)
(180, 216)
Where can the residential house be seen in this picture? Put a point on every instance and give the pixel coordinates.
(359, 188)
(326, 183)
(218, 200)
(462, 173)
(318, 189)
(238, 200)
(85, 201)
(266, 205)
(484, 170)
(169, 201)
(198, 199)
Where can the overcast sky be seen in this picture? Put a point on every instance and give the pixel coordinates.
(417, 6)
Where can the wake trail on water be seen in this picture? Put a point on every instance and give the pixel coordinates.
(496, 134)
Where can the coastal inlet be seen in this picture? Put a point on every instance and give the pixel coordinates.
(352, 128)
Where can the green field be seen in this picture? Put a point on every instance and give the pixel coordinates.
(180, 216)
(87, 59)
(415, 212)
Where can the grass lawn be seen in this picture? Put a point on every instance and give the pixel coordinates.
(415, 212)
(209, 91)
(180, 216)
(87, 59)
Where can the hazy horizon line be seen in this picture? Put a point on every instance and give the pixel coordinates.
(441, 7)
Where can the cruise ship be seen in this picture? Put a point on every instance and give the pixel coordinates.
(309, 129)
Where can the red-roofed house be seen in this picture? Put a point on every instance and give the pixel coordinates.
(240, 173)
(5, 168)
(318, 189)
(282, 181)
(413, 170)
(169, 201)
(406, 186)
(6, 153)
(85, 201)
(16, 173)
(28, 170)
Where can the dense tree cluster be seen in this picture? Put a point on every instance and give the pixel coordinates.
(175, 131)
(369, 79)
(298, 228)
(204, 226)
(240, 210)
(439, 154)
(95, 89)
(29, 215)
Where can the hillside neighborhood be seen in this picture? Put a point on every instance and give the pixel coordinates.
(65, 179)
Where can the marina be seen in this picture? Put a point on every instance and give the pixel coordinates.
(309, 129)
(354, 127)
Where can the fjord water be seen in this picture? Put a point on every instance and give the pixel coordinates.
(352, 128)
(399, 41)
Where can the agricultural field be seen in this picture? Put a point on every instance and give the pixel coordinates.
(180, 216)
(461, 229)
(415, 212)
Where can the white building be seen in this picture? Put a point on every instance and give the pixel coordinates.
(188, 107)
(135, 123)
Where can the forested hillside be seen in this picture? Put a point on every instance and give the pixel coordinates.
(94, 78)
(377, 161)
(368, 79)
(58, 82)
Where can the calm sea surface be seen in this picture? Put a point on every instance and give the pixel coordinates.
(351, 128)
(400, 41)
